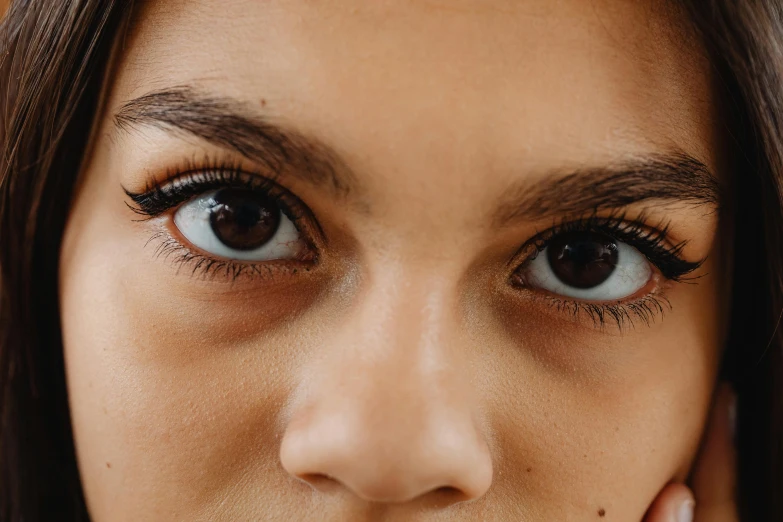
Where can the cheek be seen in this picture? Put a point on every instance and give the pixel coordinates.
(606, 443)
(599, 451)
(604, 421)
(184, 417)
(176, 393)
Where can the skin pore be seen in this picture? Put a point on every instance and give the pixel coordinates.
(400, 359)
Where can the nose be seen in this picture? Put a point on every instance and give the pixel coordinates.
(387, 412)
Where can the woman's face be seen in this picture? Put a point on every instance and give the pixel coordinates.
(395, 261)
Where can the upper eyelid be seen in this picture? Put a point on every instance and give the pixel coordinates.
(615, 220)
(178, 176)
(632, 237)
(188, 181)
(216, 175)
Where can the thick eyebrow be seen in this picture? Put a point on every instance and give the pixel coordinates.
(675, 177)
(233, 125)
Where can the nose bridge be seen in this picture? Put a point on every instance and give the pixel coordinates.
(416, 320)
(401, 342)
(389, 414)
(402, 346)
(412, 367)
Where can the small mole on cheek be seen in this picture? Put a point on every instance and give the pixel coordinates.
(529, 470)
(108, 465)
(263, 102)
(601, 512)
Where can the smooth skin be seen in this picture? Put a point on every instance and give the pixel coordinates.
(713, 496)
(404, 376)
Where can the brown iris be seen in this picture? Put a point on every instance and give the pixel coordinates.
(243, 219)
(582, 259)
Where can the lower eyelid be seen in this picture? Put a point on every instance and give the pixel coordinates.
(646, 306)
(168, 247)
(646, 310)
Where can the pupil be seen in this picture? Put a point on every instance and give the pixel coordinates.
(582, 259)
(243, 219)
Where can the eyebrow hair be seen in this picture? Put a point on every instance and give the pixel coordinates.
(234, 125)
(676, 177)
(231, 124)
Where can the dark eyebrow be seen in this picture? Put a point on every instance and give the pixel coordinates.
(231, 124)
(669, 177)
(234, 125)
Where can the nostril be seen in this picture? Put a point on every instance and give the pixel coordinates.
(448, 495)
(441, 496)
(447, 490)
(442, 461)
(319, 481)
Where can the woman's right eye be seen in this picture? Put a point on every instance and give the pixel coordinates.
(239, 224)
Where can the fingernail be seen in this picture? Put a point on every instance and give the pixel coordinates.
(685, 513)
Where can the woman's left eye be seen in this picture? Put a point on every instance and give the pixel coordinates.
(588, 265)
(239, 224)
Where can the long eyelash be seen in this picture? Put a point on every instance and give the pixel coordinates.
(645, 310)
(169, 248)
(181, 186)
(651, 242)
(198, 178)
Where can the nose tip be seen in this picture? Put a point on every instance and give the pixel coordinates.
(448, 460)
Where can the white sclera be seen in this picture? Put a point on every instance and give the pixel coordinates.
(633, 271)
(193, 221)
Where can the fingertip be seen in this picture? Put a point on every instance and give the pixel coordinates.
(675, 503)
(687, 510)
(683, 502)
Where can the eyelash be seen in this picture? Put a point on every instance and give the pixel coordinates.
(652, 243)
(182, 186)
(193, 181)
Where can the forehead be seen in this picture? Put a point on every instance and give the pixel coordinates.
(534, 80)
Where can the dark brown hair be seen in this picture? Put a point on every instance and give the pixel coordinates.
(53, 57)
(745, 39)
